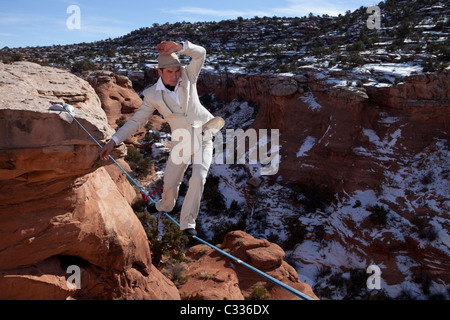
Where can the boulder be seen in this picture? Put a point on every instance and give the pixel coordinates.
(116, 93)
(59, 207)
(283, 87)
(212, 276)
(209, 277)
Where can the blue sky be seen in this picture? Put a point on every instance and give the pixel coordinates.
(44, 22)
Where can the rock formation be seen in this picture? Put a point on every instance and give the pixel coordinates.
(58, 206)
(116, 94)
(214, 277)
(333, 118)
(119, 100)
(366, 150)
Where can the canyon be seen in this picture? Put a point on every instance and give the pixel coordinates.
(61, 207)
(363, 174)
(349, 154)
(363, 151)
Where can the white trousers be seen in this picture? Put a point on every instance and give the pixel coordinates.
(173, 175)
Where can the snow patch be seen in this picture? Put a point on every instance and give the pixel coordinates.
(311, 101)
(383, 146)
(390, 69)
(307, 145)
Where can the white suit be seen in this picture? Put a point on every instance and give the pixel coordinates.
(185, 115)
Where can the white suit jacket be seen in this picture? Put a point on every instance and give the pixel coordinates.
(194, 112)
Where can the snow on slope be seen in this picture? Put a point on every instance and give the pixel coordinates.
(422, 181)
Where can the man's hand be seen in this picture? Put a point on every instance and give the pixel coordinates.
(107, 149)
(168, 47)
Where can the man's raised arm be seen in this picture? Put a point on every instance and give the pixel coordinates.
(198, 55)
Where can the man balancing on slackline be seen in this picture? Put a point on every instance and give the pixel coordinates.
(176, 99)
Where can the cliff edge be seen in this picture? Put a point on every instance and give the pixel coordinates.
(58, 206)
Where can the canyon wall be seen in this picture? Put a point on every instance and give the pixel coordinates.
(369, 164)
(332, 122)
(58, 205)
(61, 207)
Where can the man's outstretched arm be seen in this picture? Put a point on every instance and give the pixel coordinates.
(107, 149)
(129, 128)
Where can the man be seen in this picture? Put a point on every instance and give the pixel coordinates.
(175, 97)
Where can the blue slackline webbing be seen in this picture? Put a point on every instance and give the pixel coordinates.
(263, 274)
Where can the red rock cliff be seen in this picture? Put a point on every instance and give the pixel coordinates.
(365, 146)
(310, 111)
(58, 207)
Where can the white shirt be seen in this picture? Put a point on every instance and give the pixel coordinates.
(173, 94)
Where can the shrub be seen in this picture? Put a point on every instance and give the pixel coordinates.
(174, 270)
(120, 122)
(296, 233)
(83, 65)
(8, 59)
(139, 165)
(357, 204)
(139, 205)
(233, 209)
(172, 242)
(133, 155)
(424, 279)
(404, 30)
(323, 272)
(428, 233)
(152, 137)
(427, 178)
(356, 285)
(148, 126)
(432, 64)
(165, 127)
(425, 230)
(378, 215)
(215, 201)
(221, 230)
(311, 195)
(355, 59)
(419, 222)
(259, 293)
(356, 47)
(205, 276)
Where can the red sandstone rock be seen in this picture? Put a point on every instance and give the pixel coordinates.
(421, 105)
(58, 206)
(214, 276)
(209, 277)
(359, 139)
(116, 94)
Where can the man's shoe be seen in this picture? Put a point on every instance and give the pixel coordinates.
(190, 232)
(151, 208)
